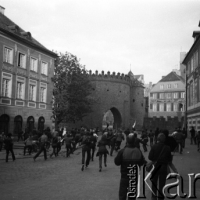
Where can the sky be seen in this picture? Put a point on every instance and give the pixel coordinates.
(144, 36)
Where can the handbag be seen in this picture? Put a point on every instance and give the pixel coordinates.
(150, 164)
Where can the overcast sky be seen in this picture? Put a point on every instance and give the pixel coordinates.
(111, 35)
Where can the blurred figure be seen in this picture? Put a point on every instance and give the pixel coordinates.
(43, 141)
(54, 144)
(119, 139)
(192, 134)
(161, 154)
(9, 146)
(151, 137)
(28, 145)
(102, 151)
(198, 141)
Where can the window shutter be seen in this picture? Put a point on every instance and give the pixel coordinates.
(164, 106)
(23, 91)
(172, 107)
(45, 95)
(34, 93)
(157, 95)
(10, 88)
(151, 106)
(24, 61)
(46, 69)
(11, 56)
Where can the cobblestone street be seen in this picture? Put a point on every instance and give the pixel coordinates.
(62, 178)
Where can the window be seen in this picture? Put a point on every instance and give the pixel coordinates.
(22, 60)
(168, 107)
(161, 107)
(32, 90)
(176, 85)
(175, 95)
(168, 86)
(161, 87)
(175, 107)
(161, 95)
(34, 64)
(8, 55)
(44, 67)
(154, 107)
(192, 64)
(43, 92)
(20, 94)
(154, 96)
(195, 59)
(168, 95)
(6, 85)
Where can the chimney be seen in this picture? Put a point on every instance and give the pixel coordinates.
(2, 9)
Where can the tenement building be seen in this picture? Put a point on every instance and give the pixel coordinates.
(192, 64)
(167, 103)
(26, 69)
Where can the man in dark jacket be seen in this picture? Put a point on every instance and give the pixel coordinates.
(192, 139)
(9, 146)
(125, 158)
(93, 140)
(86, 142)
(161, 154)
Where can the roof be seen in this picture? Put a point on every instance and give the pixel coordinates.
(9, 27)
(172, 76)
(194, 44)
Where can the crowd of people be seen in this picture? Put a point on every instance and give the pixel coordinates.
(162, 148)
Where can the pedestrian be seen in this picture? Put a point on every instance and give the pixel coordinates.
(102, 151)
(198, 140)
(151, 137)
(85, 141)
(68, 143)
(20, 136)
(93, 140)
(54, 144)
(43, 141)
(137, 141)
(119, 139)
(161, 154)
(192, 134)
(1, 140)
(9, 146)
(59, 143)
(112, 143)
(28, 145)
(144, 138)
(184, 132)
(125, 158)
(179, 137)
(157, 131)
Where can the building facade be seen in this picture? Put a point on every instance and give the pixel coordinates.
(167, 97)
(26, 69)
(192, 63)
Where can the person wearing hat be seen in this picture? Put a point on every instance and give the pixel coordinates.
(9, 146)
(125, 158)
(161, 154)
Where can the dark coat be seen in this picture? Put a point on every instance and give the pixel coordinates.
(165, 156)
(102, 147)
(127, 157)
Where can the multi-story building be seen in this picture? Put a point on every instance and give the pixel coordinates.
(192, 63)
(26, 69)
(167, 97)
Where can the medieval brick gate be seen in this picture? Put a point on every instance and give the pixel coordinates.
(121, 94)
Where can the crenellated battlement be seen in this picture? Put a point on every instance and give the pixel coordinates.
(114, 77)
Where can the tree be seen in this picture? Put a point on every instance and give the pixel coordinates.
(72, 90)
